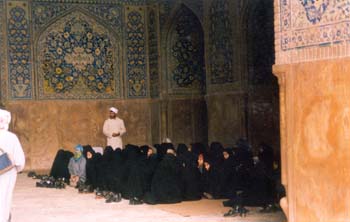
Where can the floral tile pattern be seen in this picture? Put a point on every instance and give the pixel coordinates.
(76, 59)
(307, 23)
(19, 51)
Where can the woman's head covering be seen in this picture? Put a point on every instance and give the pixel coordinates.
(131, 152)
(79, 148)
(144, 149)
(107, 154)
(5, 119)
(228, 150)
(78, 152)
(198, 148)
(88, 148)
(181, 149)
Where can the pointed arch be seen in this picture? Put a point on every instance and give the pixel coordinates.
(260, 41)
(184, 53)
(71, 10)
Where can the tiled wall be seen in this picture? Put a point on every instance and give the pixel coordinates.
(308, 30)
(66, 50)
(312, 65)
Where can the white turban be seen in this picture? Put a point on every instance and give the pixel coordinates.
(115, 110)
(5, 119)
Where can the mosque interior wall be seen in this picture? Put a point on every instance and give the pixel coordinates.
(176, 69)
(186, 120)
(312, 66)
(46, 126)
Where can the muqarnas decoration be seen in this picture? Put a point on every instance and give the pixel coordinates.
(220, 43)
(188, 52)
(76, 58)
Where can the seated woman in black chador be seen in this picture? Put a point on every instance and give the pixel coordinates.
(190, 174)
(140, 175)
(166, 183)
(112, 167)
(132, 154)
(256, 187)
(228, 176)
(59, 167)
(92, 161)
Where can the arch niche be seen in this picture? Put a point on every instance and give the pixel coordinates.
(184, 78)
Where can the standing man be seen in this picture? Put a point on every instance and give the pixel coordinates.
(113, 129)
(10, 144)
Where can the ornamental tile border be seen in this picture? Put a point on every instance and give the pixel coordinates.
(19, 50)
(135, 46)
(307, 23)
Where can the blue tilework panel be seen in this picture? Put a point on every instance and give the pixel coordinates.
(187, 51)
(129, 2)
(43, 13)
(111, 14)
(134, 2)
(306, 23)
(220, 43)
(76, 57)
(153, 52)
(19, 53)
(135, 52)
(164, 10)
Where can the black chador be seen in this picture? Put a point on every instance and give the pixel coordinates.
(92, 161)
(117, 163)
(166, 182)
(140, 176)
(105, 170)
(132, 155)
(215, 155)
(228, 176)
(59, 167)
(190, 175)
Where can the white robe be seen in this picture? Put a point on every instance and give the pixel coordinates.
(11, 145)
(111, 126)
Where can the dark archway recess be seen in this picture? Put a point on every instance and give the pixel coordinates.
(263, 97)
(185, 78)
(185, 51)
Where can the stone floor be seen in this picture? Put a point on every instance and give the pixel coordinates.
(32, 204)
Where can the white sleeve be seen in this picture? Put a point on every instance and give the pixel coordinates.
(106, 129)
(18, 156)
(122, 128)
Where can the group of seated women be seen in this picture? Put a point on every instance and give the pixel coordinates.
(163, 174)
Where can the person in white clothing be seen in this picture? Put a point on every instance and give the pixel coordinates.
(114, 129)
(10, 144)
